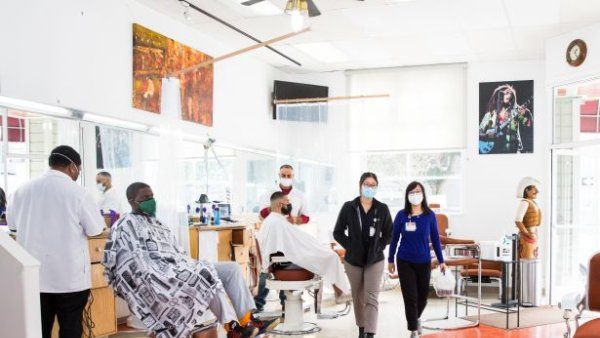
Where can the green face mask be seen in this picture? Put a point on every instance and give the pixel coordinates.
(148, 207)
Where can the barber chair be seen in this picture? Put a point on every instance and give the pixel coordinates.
(293, 281)
(490, 271)
(590, 300)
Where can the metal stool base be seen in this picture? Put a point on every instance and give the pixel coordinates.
(307, 328)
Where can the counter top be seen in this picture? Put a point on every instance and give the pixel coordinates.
(225, 226)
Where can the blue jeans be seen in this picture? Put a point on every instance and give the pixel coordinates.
(261, 295)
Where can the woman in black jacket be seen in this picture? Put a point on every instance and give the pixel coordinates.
(364, 229)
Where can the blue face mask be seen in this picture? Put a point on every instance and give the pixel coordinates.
(368, 192)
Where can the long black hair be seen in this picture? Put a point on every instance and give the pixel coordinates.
(407, 206)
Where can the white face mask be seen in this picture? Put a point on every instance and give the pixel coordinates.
(415, 199)
(100, 187)
(286, 182)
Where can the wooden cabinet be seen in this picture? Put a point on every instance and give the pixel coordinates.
(103, 307)
(234, 244)
(102, 298)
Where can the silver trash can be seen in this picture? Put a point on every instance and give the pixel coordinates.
(531, 288)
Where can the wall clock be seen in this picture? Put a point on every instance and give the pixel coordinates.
(576, 52)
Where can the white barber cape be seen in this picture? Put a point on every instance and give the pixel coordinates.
(278, 235)
(53, 215)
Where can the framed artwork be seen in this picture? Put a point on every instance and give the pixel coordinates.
(506, 117)
(155, 56)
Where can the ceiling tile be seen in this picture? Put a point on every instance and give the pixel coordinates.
(533, 12)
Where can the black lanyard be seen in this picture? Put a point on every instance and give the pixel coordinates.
(360, 218)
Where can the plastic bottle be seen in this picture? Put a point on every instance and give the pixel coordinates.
(216, 215)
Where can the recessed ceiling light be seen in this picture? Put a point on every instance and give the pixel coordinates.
(323, 51)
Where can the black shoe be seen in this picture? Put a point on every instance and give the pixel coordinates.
(238, 331)
(264, 325)
(361, 332)
(369, 335)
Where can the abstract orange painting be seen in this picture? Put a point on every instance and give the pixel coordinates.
(155, 56)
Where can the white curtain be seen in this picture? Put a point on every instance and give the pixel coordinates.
(426, 108)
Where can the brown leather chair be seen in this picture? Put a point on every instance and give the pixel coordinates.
(591, 329)
(490, 270)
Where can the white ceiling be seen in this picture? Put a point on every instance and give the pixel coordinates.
(383, 33)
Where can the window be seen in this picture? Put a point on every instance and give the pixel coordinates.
(31, 138)
(261, 178)
(439, 171)
(316, 181)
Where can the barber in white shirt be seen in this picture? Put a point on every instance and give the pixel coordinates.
(109, 198)
(52, 216)
(299, 214)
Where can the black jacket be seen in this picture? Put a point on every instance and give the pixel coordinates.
(352, 239)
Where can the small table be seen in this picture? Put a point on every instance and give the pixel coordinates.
(506, 305)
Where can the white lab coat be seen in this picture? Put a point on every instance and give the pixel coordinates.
(297, 199)
(110, 200)
(276, 234)
(53, 215)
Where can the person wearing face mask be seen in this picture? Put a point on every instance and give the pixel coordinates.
(415, 226)
(166, 289)
(109, 198)
(364, 229)
(53, 216)
(298, 215)
(277, 236)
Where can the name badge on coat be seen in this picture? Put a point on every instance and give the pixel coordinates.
(411, 226)
(372, 231)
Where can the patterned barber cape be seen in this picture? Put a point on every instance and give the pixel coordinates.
(164, 287)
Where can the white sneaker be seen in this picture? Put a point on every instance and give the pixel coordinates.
(414, 334)
(419, 327)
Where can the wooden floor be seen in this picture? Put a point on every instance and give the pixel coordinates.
(546, 331)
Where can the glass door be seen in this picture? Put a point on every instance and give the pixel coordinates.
(575, 233)
(576, 217)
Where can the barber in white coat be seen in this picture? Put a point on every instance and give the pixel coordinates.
(298, 215)
(52, 216)
(296, 197)
(109, 198)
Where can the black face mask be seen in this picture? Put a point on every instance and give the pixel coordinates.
(286, 209)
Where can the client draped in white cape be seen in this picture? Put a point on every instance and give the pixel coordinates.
(277, 234)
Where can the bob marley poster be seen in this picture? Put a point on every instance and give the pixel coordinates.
(155, 56)
(506, 117)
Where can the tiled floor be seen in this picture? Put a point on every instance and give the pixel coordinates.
(393, 324)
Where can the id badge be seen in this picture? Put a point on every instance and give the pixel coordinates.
(411, 226)
(372, 231)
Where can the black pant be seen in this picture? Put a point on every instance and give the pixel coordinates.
(261, 296)
(414, 282)
(68, 307)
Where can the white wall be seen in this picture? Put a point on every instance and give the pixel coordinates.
(79, 54)
(490, 181)
(558, 71)
(19, 291)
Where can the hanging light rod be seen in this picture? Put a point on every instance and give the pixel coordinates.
(236, 53)
(238, 30)
(333, 98)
